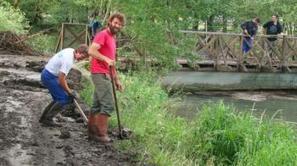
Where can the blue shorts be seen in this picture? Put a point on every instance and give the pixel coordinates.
(51, 82)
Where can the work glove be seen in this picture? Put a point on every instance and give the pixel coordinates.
(73, 95)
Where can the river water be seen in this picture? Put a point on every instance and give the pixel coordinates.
(276, 104)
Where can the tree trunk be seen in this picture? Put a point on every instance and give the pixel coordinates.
(107, 10)
(195, 22)
(210, 21)
(225, 23)
(16, 3)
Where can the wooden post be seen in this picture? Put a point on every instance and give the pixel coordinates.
(284, 65)
(216, 49)
(62, 36)
(240, 55)
(86, 36)
(224, 54)
(59, 41)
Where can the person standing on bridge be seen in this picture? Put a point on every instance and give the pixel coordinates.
(249, 29)
(103, 53)
(53, 77)
(272, 27)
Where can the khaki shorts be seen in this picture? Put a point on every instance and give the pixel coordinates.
(103, 101)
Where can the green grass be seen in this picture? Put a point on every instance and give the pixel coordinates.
(225, 137)
(219, 135)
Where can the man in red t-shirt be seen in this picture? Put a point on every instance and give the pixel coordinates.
(103, 53)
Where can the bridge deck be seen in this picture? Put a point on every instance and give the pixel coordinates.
(228, 65)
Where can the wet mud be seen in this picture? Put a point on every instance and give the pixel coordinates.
(23, 141)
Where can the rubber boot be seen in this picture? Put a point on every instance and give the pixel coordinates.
(45, 111)
(48, 119)
(101, 121)
(92, 128)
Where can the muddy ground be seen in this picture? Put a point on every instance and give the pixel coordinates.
(23, 141)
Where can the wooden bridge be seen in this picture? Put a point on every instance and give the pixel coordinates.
(223, 52)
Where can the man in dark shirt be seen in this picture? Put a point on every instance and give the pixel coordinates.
(272, 27)
(249, 29)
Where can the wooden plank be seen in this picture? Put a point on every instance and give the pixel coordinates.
(86, 35)
(283, 63)
(76, 24)
(76, 39)
(62, 37)
(71, 32)
(59, 41)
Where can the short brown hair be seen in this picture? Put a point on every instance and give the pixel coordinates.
(275, 15)
(257, 19)
(119, 16)
(83, 49)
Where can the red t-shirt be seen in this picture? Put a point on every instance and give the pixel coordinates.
(107, 44)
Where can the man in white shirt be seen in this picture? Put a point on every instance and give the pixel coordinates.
(53, 77)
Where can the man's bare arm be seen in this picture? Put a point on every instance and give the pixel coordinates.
(63, 82)
(93, 51)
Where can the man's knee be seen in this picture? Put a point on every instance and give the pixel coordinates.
(64, 100)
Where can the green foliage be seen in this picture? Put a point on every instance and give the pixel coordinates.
(152, 25)
(12, 19)
(67, 11)
(50, 13)
(222, 136)
(43, 43)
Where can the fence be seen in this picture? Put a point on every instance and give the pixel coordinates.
(71, 35)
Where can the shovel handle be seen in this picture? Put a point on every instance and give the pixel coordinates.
(81, 112)
(116, 102)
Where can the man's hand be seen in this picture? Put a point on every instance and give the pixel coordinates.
(110, 62)
(73, 94)
(119, 85)
(246, 33)
(281, 35)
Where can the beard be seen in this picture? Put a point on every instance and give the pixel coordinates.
(114, 30)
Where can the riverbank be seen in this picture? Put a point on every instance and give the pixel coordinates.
(218, 135)
(278, 104)
(220, 81)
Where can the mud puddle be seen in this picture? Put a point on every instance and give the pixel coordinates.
(23, 141)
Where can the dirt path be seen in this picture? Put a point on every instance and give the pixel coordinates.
(23, 141)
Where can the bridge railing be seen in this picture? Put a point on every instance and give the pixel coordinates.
(224, 51)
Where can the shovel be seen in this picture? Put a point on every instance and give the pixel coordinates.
(81, 112)
(116, 103)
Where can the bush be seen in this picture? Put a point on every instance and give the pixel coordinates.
(43, 43)
(12, 19)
